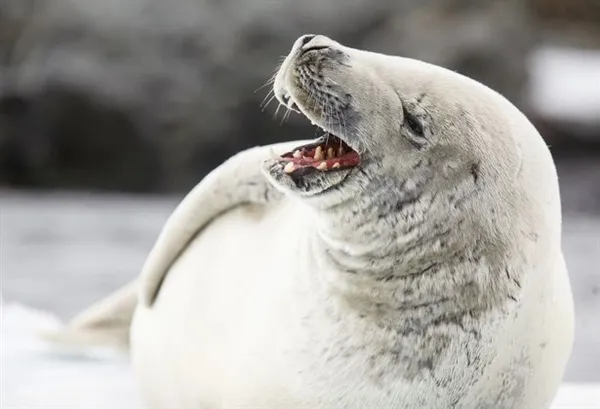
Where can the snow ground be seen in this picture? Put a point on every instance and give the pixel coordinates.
(33, 375)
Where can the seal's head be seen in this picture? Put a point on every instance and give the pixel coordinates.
(388, 117)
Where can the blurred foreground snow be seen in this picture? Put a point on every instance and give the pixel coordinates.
(35, 377)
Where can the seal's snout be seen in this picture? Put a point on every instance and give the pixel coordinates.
(311, 42)
(303, 45)
(303, 84)
(305, 39)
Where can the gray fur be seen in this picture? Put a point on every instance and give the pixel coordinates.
(430, 276)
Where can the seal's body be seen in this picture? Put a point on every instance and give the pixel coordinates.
(219, 337)
(410, 258)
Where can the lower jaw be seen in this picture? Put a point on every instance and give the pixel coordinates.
(304, 182)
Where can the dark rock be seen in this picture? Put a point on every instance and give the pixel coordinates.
(63, 138)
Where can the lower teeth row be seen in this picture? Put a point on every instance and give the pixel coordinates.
(291, 166)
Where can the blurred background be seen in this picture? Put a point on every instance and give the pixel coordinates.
(111, 110)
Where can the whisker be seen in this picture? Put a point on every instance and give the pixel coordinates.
(264, 105)
(286, 115)
(267, 104)
(270, 81)
(341, 122)
(330, 118)
(325, 112)
(276, 111)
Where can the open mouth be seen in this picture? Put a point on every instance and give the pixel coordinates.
(328, 153)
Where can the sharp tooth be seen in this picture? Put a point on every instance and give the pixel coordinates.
(319, 153)
(330, 154)
(341, 151)
(297, 154)
(322, 166)
(289, 168)
(336, 165)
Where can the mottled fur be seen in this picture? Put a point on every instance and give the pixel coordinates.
(431, 276)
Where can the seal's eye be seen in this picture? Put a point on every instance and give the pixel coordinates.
(413, 123)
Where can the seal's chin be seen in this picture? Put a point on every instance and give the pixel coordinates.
(313, 168)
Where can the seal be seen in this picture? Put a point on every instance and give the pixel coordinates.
(409, 258)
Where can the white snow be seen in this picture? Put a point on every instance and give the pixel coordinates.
(35, 377)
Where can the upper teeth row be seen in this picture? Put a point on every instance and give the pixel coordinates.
(320, 154)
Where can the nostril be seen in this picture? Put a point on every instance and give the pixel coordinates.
(306, 39)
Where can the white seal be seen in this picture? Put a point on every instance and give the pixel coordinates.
(410, 258)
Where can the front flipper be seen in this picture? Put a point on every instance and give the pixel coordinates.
(239, 180)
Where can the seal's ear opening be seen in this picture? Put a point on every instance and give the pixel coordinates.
(328, 153)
